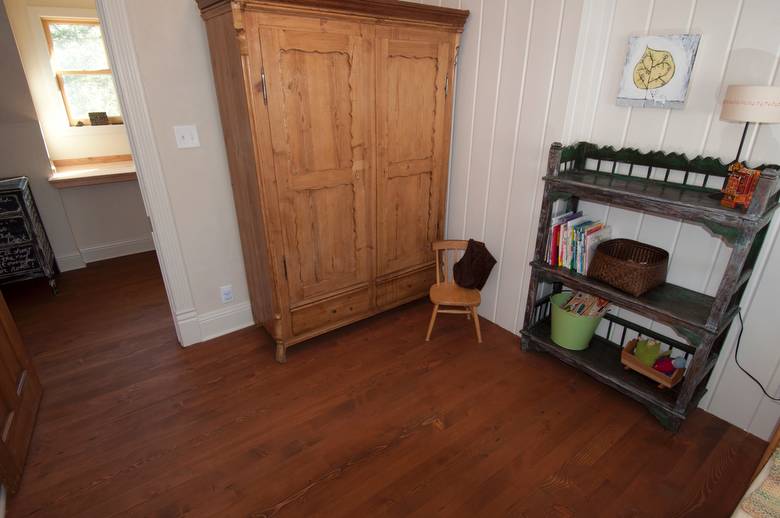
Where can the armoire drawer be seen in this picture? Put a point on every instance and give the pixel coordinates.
(330, 311)
(406, 287)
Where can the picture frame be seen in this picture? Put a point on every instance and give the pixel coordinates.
(658, 70)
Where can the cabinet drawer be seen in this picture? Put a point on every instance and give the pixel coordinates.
(18, 259)
(330, 311)
(13, 231)
(9, 203)
(406, 287)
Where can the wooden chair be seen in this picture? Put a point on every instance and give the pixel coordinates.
(446, 293)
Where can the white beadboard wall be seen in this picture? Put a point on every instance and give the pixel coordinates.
(740, 44)
(531, 72)
(514, 71)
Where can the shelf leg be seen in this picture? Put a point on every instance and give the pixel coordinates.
(669, 421)
(533, 289)
(693, 374)
(728, 286)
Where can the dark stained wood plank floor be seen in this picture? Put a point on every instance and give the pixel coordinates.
(367, 421)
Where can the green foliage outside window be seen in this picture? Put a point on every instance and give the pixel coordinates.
(79, 60)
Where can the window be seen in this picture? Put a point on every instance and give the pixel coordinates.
(78, 59)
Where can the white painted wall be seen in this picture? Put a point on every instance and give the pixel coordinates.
(63, 141)
(740, 44)
(22, 146)
(493, 197)
(84, 224)
(171, 50)
(516, 72)
(522, 63)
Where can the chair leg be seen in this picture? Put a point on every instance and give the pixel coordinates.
(433, 320)
(476, 323)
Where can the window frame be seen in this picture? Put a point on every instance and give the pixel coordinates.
(46, 21)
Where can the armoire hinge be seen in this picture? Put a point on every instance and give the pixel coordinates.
(446, 85)
(263, 87)
(284, 263)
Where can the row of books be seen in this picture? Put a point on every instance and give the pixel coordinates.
(573, 241)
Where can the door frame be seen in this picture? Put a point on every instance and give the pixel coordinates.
(118, 37)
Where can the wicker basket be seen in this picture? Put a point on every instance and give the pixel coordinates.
(629, 266)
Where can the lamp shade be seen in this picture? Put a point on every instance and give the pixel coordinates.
(745, 103)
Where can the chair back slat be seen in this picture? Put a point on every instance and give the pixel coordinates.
(446, 252)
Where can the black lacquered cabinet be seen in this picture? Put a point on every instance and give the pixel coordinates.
(25, 251)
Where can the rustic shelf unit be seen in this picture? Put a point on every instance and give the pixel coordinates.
(668, 185)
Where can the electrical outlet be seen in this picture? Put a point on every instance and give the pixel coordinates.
(186, 136)
(226, 293)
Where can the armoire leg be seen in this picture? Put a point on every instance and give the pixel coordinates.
(281, 352)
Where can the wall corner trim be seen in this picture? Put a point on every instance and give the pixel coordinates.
(119, 44)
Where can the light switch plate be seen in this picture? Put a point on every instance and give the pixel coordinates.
(186, 136)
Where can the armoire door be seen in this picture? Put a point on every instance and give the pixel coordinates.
(319, 104)
(412, 144)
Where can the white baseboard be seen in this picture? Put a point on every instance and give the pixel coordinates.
(113, 249)
(194, 328)
(188, 328)
(103, 251)
(226, 320)
(70, 262)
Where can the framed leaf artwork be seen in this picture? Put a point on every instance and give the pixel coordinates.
(658, 70)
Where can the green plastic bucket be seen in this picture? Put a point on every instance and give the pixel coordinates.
(569, 330)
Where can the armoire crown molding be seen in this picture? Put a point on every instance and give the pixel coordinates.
(393, 10)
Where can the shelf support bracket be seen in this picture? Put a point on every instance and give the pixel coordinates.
(729, 234)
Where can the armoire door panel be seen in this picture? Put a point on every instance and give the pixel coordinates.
(20, 396)
(407, 218)
(324, 222)
(411, 98)
(316, 85)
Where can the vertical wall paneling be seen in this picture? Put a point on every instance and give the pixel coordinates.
(520, 18)
(738, 45)
(483, 119)
(495, 118)
(532, 72)
(535, 205)
(465, 101)
(534, 107)
(474, 101)
(509, 106)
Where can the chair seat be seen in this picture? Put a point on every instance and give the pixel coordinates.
(450, 294)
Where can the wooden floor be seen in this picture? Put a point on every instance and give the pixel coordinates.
(367, 421)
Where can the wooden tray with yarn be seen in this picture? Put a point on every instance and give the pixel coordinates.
(630, 361)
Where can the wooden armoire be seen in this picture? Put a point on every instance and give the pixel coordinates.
(337, 121)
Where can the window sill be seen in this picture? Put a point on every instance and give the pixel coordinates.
(92, 171)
